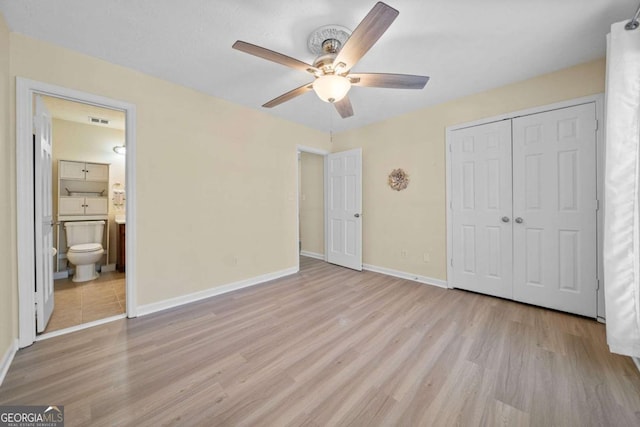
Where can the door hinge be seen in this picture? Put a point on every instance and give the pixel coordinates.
(597, 204)
(450, 149)
(451, 262)
(597, 284)
(450, 205)
(596, 125)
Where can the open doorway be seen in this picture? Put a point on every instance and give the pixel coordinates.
(34, 251)
(88, 199)
(311, 204)
(330, 206)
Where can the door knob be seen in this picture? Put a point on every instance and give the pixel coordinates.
(357, 215)
(519, 220)
(505, 219)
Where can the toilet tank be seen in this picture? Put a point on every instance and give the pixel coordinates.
(79, 232)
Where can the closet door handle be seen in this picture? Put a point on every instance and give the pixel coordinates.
(519, 220)
(505, 219)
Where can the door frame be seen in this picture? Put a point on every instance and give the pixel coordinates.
(25, 90)
(324, 154)
(598, 100)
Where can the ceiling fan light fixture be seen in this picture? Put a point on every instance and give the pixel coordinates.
(331, 88)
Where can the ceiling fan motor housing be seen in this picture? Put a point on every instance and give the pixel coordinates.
(325, 63)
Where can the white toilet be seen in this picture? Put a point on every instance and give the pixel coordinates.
(84, 240)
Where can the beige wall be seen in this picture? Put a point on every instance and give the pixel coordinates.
(216, 181)
(413, 222)
(8, 279)
(89, 143)
(312, 202)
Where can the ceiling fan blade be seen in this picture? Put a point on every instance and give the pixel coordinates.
(366, 35)
(289, 95)
(276, 57)
(344, 107)
(394, 81)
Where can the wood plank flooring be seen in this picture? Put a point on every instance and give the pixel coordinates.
(330, 346)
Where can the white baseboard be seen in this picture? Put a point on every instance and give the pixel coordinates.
(218, 290)
(108, 267)
(637, 362)
(409, 276)
(61, 275)
(312, 255)
(7, 358)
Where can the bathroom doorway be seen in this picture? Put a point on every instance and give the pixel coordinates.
(29, 188)
(88, 199)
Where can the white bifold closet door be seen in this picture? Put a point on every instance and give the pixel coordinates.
(481, 206)
(554, 209)
(524, 205)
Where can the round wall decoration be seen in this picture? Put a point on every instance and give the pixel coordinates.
(398, 179)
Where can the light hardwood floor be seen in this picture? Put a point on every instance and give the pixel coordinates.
(78, 303)
(330, 346)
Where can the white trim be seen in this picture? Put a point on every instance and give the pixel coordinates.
(408, 276)
(25, 89)
(107, 268)
(529, 111)
(312, 255)
(600, 157)
(636, 360)
(598, 100)
(7, 358)
(80, 327)
(57, 275)
(447, 201)
(143, 310)
(312, 150)
(324, 154)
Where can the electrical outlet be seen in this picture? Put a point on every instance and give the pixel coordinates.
(427, 257)
(403, 253)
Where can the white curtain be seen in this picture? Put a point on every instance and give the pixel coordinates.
(622, 167)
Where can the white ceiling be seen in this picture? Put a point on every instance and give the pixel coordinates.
(465, 46)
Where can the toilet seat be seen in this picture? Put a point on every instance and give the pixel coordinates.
(85, 247)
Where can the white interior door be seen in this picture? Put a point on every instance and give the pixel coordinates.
(344, 209)
(555, 203)
(481, 207)
(43, 215)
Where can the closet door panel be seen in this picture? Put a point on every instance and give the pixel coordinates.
(554, 206)
(481, 198)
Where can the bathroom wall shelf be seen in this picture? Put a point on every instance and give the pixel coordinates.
(83, 190)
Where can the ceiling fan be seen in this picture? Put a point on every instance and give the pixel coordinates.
(338, 55)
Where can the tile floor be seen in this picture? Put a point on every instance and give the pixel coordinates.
(78, 303)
